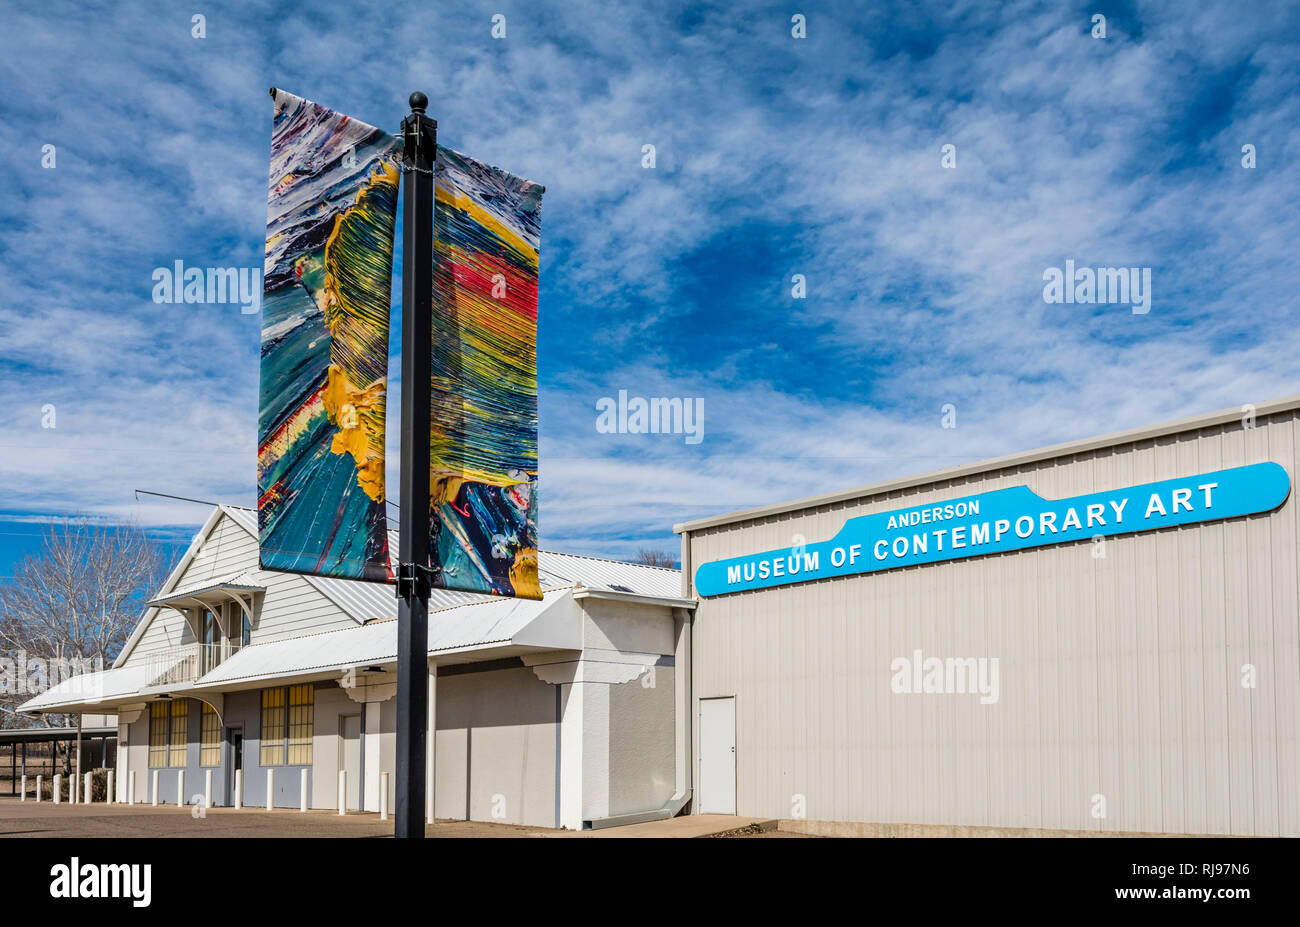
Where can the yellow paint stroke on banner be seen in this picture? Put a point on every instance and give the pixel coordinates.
(352, 410)
(523, 574)
(484, 218)
(357, 266)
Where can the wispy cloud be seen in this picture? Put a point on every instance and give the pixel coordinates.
(774, 156)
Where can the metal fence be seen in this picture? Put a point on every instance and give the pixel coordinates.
(45, 758)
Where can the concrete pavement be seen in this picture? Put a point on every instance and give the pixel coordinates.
(29, 819)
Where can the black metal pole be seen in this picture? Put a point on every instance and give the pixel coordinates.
(420, 135)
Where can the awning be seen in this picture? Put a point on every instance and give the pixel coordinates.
(457, 634)
(206, 593)
(40, 735)
(481, 630)
(101, 691)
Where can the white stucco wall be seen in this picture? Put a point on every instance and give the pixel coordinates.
(496, 747)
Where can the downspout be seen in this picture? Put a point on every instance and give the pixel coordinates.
(685, 620)
(685, 779)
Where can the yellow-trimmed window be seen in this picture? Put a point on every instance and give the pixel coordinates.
(168, 732)
(302, 706)
(287, 718)
(159, 719)
(180, 731)
(210, 737)
(272, 727)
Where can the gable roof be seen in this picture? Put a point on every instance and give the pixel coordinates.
(169, 585)
(365, 602)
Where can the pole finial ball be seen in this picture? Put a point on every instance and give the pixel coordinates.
(419, 102)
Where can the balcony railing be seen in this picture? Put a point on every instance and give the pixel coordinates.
(189, 662)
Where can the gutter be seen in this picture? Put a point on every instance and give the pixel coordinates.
(584, 592)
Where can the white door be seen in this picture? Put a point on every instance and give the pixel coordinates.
(350, 758)
(718, 755)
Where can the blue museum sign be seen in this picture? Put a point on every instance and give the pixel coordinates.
(1000, 521)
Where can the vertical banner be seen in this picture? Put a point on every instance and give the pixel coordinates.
(483, 467)
(331, 214)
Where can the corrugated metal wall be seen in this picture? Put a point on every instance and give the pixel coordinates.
(1120, 676)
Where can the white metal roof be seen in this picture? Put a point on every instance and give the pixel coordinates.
(93, 688)
(372, 601)
(551, 624)
(612, 575)
(459, 622)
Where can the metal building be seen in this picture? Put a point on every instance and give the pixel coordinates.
(1124, 677)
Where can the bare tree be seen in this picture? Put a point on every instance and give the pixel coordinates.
(655, 558)
(74, 603)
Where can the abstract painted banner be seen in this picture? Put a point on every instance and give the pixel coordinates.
(331, 212)
(483, 469)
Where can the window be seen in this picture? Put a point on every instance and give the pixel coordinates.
(272, 727)
(287, 718)
(168, 732)
(180, 731)
(210, 654)
(246, 631)
(158, 733)
(210, 737)
(302, 706)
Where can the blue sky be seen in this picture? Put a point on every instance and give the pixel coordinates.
(775, 156)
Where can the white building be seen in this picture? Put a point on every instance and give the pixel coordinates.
(567, 712)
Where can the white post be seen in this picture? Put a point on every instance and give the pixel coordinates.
(24, 788)
(430, 756)
(180, 788)
(130, 787)
(39, 784)
(343, 791)
(58, 788)
(207, 789)
(239, 788)
(76, 779)
(303, 790)
(155, 788)
(383, 796)
(110, 795)
(85, 798)
(72, 788)
(270, 790)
